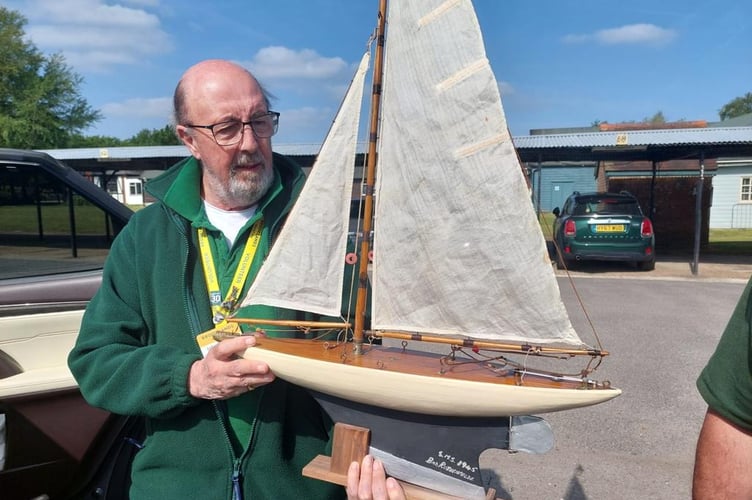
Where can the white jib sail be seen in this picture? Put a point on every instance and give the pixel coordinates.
(457, 245)
(305, 268)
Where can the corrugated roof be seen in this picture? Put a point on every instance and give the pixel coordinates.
(667, 137)
(130, 152)
(660, 145)
(737, 121)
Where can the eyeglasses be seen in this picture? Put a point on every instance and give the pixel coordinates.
(231, 132)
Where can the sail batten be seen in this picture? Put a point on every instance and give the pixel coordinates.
(466, 72)
(435, 13)
(478, 146)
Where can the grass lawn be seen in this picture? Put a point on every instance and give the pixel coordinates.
(90, 220)
(55, 218)
(730, 241)
(546, 220)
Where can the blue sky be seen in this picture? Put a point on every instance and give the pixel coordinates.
(559, 63)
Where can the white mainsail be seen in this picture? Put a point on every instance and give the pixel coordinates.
(305, 268)
(458, 249)
(457, 245)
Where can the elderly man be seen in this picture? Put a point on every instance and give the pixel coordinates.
(218, 426)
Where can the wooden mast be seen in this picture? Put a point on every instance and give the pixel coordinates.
(365, 246)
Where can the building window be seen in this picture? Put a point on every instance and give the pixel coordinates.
(112, 186)
(135, 188)
(746, 191)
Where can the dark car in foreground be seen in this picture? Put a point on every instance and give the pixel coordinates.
(603, 227)
(56, 228)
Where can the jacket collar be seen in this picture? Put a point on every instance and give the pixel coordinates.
(179, 187)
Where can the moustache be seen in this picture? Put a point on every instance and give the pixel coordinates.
(246, 159)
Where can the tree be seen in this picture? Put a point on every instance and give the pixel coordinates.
(93, 141)
(40, 101)
(736, 107)
(656, 119)
(157, 137)
(164, 136)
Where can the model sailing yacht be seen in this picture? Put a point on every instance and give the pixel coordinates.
(452, 267)
(458, 257)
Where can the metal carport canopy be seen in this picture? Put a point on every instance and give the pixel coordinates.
(637, 145)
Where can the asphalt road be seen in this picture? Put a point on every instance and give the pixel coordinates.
(660, 331)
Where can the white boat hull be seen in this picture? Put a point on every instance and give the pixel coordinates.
(433, 395)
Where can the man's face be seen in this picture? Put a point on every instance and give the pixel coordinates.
(234, 176)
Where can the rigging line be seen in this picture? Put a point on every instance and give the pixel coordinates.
(371, 39)
(359, 220)
(503, 366)
(358, 234)
(358, 229)
(557, 251)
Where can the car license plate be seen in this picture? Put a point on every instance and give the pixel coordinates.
(609, 228)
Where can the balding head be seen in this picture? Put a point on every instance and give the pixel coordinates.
(205, 78)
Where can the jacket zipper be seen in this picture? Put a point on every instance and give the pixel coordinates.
(237, 491)
(193, 320)
(237, 474)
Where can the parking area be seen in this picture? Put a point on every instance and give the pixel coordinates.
(660, 333)
(732, 267)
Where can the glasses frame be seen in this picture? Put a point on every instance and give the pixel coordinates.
(275, 120)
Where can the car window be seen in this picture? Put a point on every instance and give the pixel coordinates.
(581, 209)
(569, 207)
(46, 227)
(607, 205)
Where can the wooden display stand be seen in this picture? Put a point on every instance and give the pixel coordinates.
(350, 445)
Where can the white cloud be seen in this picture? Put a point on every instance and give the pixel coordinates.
(94, 36)
(646, 34)
(143, 3)
(281, 63)
(157, 107)
(293, 77)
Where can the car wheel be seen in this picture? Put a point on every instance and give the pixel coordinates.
(646, 266)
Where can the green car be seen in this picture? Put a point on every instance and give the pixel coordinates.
(603, 226)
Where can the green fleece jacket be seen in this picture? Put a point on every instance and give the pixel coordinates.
(726, 381)
(138, 341)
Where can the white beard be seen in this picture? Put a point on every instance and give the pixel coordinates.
(241, 192)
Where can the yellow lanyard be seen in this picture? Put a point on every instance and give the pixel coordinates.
(221, 309)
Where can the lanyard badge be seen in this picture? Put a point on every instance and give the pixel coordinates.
(222, 309)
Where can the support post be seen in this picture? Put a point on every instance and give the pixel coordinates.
(695, 265)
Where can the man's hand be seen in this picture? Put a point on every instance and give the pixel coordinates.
(223, 374)
(367, 480)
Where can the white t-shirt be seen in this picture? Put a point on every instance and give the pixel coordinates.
(228, 221)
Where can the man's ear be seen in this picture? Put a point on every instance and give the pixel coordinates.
(189, 139)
